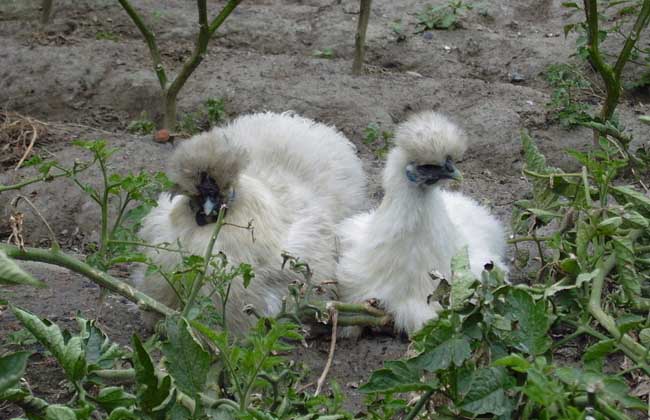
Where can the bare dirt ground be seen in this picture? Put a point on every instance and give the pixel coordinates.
(87, 75)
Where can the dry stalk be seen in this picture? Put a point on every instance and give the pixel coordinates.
(330, 357)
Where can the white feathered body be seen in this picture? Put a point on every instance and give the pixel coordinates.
(300, 180)
(388, 253)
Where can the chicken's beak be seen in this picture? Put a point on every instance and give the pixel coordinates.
(455, 174)
(208, 206)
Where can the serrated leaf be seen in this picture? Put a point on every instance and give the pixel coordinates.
(99, 350)
(635, 220)
(112, 397)
(463, 281)
(11, 273)
(151, 392)
(594, 356)
(629, 322)
(12, 368)
(486, 393)
(454, 351)
(532, 322)
(396, 376)
(613, 389)
(70, 354)
(186, 360)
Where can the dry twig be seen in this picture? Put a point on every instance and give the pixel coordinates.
(330, 357)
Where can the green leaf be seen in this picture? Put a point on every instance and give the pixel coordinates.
(644, 336)
(454, 351)
(627, 276)
(100, 352)
(627, 194)
(59, 412)
(151, 392)
(12, 368)
(187, 362)
(396, 376)
(122, 413)
(613, 389)
(530, 334)
(594, 356)
(486, 393)
(462, 280)
(629, 322)
(514, 362)
(112, 397)
(610, 226)
(70, 354)
(11, 273)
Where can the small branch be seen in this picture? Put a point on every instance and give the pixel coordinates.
(22, 184)
(46, 13)
(198, 281)
(601, 316)
(529, 239)
(418, 407)
(105, 280)
(150, 39)
(319, 385)
(55, 243)
(360, 37)
(31, 142)
(223, 15)
(146, 245)
(631, 40)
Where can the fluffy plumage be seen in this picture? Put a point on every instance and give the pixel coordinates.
(387, 253)
(295, 178)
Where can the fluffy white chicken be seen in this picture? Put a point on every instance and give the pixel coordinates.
(294, 178)
(388, 253)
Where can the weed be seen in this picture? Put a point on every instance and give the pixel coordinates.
(445, 16)
(324, 53)
(379, 140)
(189, 123)
(142, 125)
(107, 36)
(216, 111)
(569, 86)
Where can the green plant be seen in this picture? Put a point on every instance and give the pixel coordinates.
(446, 16)
(569, 86)
(106, 36)
(216, 111)
(592, 36)
(380, 140)
(172, 88)
(324, 53)
(142, 125)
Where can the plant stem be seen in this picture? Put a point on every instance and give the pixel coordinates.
(199, 280)
(200, 48)
(599, 314)
(360, 37)
(529, 239)
(46, 13)
(421, 402)
(146, 245)
(105, 280)
(150, 39)
(21, 184)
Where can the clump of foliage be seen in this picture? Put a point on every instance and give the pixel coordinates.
(141, 125)
(380, 140)
(446, 16)
(605, 21)
(567, 102)
(324, 53)
(210, 115)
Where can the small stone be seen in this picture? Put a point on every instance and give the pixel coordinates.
(427, 35)
(447, 48)
(516, 77)
(162, 136)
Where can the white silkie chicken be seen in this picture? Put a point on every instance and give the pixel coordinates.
(388, 253)
(294, 178)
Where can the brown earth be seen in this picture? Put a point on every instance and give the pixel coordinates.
(87, 75)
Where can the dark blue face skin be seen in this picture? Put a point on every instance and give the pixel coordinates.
(430, 174)
(209, 197)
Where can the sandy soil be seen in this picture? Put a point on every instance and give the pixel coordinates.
(488, 75)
